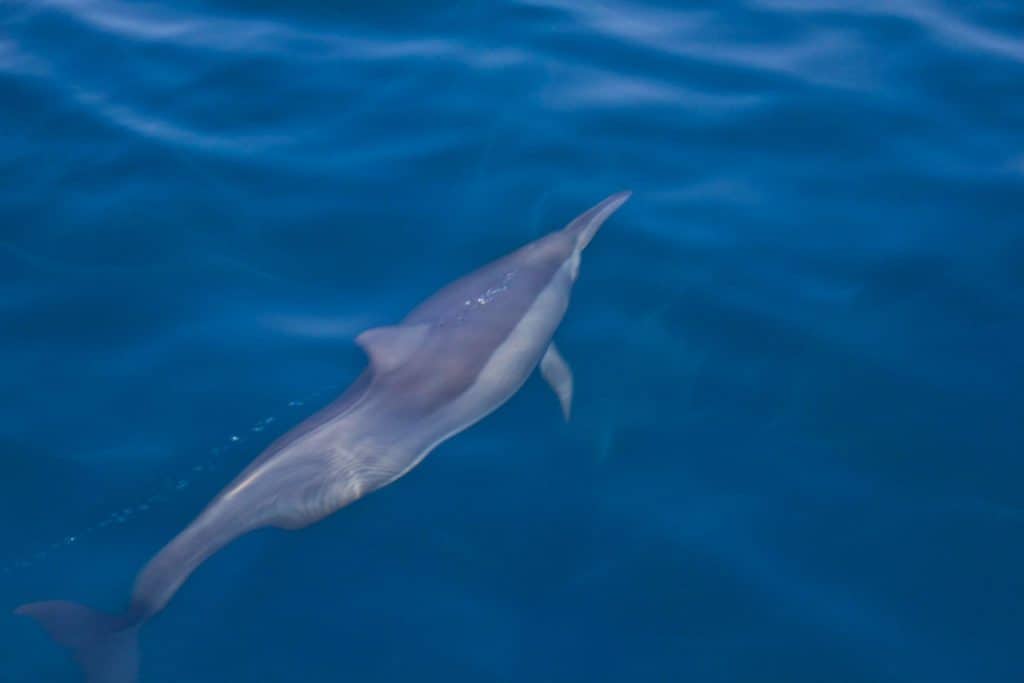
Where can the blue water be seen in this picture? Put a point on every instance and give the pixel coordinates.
(796, 450)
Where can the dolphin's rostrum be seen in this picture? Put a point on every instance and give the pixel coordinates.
(453, 360)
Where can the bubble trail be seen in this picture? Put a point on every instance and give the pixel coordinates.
(172, 485)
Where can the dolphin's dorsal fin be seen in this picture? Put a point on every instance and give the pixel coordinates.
(389, 347)
(557, 373)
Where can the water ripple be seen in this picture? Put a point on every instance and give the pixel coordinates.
(952, 28)
(797, 420)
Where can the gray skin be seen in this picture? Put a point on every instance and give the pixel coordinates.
(454, 359)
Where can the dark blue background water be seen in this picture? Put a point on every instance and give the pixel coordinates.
(796, 449)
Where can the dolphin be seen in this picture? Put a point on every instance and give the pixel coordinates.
(453, 360)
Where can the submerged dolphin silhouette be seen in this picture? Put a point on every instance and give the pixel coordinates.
(453, 360)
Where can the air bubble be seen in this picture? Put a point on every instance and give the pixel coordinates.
(215, 459)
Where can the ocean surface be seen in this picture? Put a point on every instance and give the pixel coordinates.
(797, 448)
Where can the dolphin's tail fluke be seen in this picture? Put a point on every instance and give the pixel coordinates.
(105, 646)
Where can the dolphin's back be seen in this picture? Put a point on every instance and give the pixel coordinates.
(479, 311)
(505, 287)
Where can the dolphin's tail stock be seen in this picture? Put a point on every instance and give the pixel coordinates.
(105, 646)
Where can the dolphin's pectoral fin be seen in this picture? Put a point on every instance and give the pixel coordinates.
(389, 347)
(558, 374)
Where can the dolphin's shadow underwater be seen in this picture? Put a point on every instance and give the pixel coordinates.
(453, 360)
